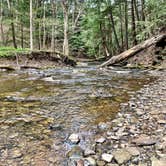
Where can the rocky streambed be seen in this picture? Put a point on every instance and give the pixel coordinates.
(137, 136)
(82, 116)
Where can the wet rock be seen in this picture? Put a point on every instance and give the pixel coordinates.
(133, 151)
(90, 161)
(16, 153)
(88, 152)
(144, 140)
(158, 162)
(114, 137)
(102, 126)
(107, 157)
(161, 146)
(52, 159)
(75, 152)
(121, 156)
(74, 138)
(48, 79)
(80, 162)
(142, 164)
(100, 140)
(56, 127)
(162, 121)
(101, 163)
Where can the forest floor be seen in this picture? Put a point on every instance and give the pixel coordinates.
(138, 133)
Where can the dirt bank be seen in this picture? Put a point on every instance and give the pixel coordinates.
(34, 60)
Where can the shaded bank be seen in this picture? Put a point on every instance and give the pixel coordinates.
(12, 59)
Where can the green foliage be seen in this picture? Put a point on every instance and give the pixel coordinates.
(94, 30)
(10, 51)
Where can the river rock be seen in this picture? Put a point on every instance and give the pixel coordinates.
(88, 152)
(100, 140)
(144, 140)
(90, 161)
(48, 79)
(133, 151)
(107, 157)
(80, 162)
(158, 162)
(102, 126)
(122, 156)
(74, 138)
(75, 152)
(16, 153)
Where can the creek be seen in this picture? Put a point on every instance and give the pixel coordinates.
(39, 109)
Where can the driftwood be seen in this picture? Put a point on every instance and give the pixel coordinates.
(134, 50)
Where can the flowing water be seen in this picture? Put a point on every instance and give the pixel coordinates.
(39, 109)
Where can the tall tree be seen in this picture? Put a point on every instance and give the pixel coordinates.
(44, 25)
(114, 29)
(31, 26)
(1, 23)
(133, 23)
(12, 23)
(142, 10)
(126, 25)
(65, 4)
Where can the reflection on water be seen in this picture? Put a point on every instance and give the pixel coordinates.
(39, 109)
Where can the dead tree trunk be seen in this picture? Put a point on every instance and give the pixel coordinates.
(66, 27)
(134, 50)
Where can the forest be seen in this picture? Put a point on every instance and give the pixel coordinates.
(82, 83)
(85, 28)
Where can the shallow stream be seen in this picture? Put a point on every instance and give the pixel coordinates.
(39, 109)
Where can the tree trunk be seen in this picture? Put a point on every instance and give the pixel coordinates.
(114, 30)
(142, 10)
(136, 10)
(1, 24)
(126, 25)
(53, 26)
(133, 26)
(31, 26)
(66, 28)
(12, 25)
(39, 38)
(22, 35)
(104, 41)
(44, 27)
(121, 26)
(131, 52)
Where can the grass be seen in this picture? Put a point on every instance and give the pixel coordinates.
(11, 51)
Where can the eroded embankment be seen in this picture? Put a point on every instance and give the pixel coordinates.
(35, 59)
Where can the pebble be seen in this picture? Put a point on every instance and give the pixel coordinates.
(91, 161)
(16, 153)
(100, 140)
(121, 156)
(107, 157)
(74, 138)
(88, 152)
(144, 141)
(133, 151)
(158, 162)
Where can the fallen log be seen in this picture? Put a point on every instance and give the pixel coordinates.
(134, 50)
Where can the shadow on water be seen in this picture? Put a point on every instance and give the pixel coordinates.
(39, 109)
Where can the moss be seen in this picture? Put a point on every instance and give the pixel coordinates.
(10, 51)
